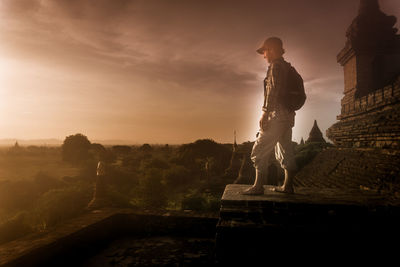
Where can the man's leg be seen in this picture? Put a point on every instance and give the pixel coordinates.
(257, 188)
(260, 155)
(284, 153)
(287, 186)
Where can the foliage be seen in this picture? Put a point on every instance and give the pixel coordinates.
(154, 192)
(99, 152)
(57, 205)
(156, 163)
(43, 182)
(194, 202)
(149, 176)
(123, 181)
(15, 227)
(118, 199)
(177, 175)
(195, 154)
(16, 195)
(146, 148)
(200, 202)
(121, 149)
(75, 149)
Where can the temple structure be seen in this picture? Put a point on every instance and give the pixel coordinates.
(366, 154)
(315, 134)
(371, 102)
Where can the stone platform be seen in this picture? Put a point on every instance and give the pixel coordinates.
(118, 237)
(310, 219)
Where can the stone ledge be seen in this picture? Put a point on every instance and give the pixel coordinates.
(329, 221)
(308, 207)
(232, 197)
(84, 235)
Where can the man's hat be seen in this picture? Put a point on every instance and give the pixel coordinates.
(275, 41)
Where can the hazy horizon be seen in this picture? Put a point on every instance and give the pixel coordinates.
(163, 71)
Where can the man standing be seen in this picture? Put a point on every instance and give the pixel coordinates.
(277, 120)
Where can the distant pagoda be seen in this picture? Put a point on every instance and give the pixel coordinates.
(235, 146)
(315, 134)
(235, 162)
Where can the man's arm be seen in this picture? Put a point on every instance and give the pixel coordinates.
(278, 77)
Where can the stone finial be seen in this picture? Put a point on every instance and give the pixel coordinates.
(315, 134)
(367, 6)
(371, 29)
(371, 55)
(234, 141)
(99, 196)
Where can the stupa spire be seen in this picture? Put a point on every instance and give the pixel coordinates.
(315, 134)
(234, 141)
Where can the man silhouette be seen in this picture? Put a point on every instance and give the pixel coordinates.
(276, 122)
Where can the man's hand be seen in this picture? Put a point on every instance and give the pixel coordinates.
(264, 121)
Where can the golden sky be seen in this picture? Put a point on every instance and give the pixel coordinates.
(163, 71)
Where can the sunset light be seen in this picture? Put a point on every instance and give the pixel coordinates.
(199, 132)
(97, 69)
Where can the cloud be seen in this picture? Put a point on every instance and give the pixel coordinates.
(19, 7)
(174, 58)
(325, 88)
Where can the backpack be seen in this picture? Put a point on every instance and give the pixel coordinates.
(294, 96)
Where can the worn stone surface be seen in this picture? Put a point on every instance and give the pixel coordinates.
(71, 243)
(308, 195)
(156, 251)
(372, 170)
(30, 246)
(250, 227)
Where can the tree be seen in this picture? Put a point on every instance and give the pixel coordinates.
(121, 149)
(154, 192)
(75, 149)
(197, 152)
(146, 148)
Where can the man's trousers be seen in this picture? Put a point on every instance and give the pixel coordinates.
(276, 137)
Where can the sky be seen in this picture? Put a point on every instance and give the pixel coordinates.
(163, 71)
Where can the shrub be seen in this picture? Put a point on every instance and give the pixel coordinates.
(154, 194)
(156, 163)
(122, 180)
(118, 199)
(16, 195)
(200, 202)
(195, 154)
(15, 227)
(61, 204)
(146, 148)
(194, 202)
(176, 175)
(44, 182)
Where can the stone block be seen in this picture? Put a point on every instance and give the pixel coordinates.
(251, 226)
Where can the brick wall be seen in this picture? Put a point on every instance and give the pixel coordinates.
(371, 121)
